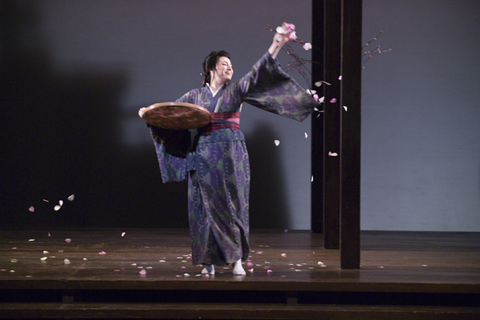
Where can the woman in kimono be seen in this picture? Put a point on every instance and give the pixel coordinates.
(217, 165)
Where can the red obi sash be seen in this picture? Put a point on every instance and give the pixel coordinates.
(222, 120)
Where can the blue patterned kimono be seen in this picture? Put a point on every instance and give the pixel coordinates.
(218, 167)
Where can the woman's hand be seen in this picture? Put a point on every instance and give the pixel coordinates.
(279, 39)
(141, 112)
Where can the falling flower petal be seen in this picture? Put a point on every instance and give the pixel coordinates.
(68, 240)
(340, 77)
(284, 255)
(102, 252)
(49, 234)
(123, 234)
(71, 197)
(60, 202)
(345, 107)
(116, 270)
(249, 264)
(14, 260)
(31, 240)
(311, 180)
(85, 259)
(133, 264)
(277, 142)
(66, 261)
(332, 154)
(269, 271)
(381, 267)
(45, 200)
(45, 252)
(161, 260)
(307, 46)
(31, 209)
(306, 135)
(186, 275)
(333, 100)
(319, 83)
(143, 272)
(57, 207)
(250, 270)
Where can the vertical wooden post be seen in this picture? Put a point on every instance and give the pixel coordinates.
(317, 156)
(350, 134)
(336, 154)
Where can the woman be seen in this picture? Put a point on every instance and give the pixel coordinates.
(218, 167)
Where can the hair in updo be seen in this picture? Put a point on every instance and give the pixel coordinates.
(210, 63)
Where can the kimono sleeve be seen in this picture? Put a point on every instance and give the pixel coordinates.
(269, 88)
(172, 148)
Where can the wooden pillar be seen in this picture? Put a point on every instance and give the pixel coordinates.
(336, 153)
(317, 155)
(350, 134)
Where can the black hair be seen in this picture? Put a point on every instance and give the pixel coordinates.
(210, 63)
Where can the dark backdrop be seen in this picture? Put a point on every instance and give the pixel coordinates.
(75, 72)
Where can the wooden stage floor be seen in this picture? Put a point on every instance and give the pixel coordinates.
(147, 273)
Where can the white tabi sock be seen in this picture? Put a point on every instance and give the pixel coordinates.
(209, 269)
(238, 268)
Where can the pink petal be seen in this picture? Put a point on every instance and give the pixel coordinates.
(284, 255)
(68, 240)
(249, 264)
(31, 209)
(102, 252)
(269, 271)
(250, 270)
(286, 230)
(60, 202)
(288, 26)
(332, 154)
(340, 77)
(307, 46)
(123, 234)
(143, 271)
(133, 264)
(306, 135)
(71, 197)
(333, 100)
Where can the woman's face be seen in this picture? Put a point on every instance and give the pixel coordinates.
(223, 70)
